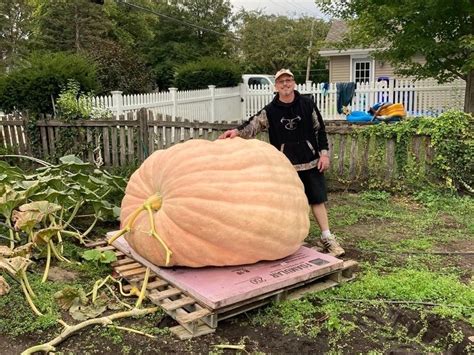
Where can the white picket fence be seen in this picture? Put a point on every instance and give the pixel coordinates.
(420, 98)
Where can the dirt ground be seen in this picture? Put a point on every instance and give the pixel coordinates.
(375, 332)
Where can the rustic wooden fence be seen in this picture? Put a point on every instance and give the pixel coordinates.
(120, 143)
(13, 136)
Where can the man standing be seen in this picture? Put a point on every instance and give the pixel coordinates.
(296, 128)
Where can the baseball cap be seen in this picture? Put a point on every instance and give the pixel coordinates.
(283, 72)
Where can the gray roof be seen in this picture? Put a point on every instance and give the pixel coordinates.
(336, 33)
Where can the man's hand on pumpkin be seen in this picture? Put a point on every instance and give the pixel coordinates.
(231, 133)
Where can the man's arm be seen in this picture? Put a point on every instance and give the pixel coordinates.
(250, 128)
(323, 146)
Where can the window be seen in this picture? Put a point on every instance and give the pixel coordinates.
(362, 70)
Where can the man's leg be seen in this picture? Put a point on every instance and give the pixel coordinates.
(328, 240)
(321, 215)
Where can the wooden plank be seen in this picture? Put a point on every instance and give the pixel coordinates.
(150, 286)
(6, 131)
(353, 158)
(3, 142)
(157, 296)
(106, 145)
(114, 146)
(151, 133)
(193, 316)
(122, 142)
(130, 139)
(187, 131)
(390, 159)
(44, 141)
(364, 165)
(51, 140)
(179, 303)
(167, 132)
(183, 334)
(84, 123)
(106, 247)
(13, 137)
(21, 138)
(159, 132)
(123, 261)
(97, 243)
(342, 151)
(126, 267)
(133, 272)
(177, 131)
(90, 145)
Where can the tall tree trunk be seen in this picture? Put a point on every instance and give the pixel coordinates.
(469, 96)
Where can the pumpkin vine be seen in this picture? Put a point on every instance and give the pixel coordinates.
(151, 205)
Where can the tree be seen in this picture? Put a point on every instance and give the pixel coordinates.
(15, 29)
(72, 25)
(441, 31)
(192, 29)
(269, 43)
(120, 68)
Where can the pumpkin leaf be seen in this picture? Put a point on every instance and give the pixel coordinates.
(5, 251)
(23, 250)
(9, 200)
(82, 313)
(4, 286)
(14, 265)
(72, 160)
(43, 207)
(107, 257)
(45, 234)
(91, 255)
(26, 220)
(70, 296)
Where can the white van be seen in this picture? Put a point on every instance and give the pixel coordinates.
(259, 79)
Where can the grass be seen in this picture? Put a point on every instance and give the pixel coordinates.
(394, 236)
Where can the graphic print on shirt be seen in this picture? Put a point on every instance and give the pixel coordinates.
(290, 123)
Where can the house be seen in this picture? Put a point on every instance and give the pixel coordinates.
(353, 64)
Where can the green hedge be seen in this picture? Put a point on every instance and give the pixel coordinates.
(207, 71)
(32, 85)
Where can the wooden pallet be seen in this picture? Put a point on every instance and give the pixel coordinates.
(194, 318)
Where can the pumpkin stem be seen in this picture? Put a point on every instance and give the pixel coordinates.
(151, 204)
(154, 234)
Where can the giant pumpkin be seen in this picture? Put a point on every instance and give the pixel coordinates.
(226, 202)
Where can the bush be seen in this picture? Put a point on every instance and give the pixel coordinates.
(207, 71)
(32, 85)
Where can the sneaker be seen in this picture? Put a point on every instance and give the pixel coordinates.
(332, 246)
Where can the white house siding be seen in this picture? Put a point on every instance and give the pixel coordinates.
(339, 70)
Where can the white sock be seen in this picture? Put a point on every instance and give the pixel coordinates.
(326, 233)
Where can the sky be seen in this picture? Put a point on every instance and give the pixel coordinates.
(290, 8)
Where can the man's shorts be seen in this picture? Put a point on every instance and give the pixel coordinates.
(314, 186)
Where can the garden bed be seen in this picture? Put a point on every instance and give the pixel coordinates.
(412, 293)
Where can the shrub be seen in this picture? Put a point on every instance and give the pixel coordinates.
(38, 80)
(207, 71)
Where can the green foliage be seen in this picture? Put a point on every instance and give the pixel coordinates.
(73, 104)
(38, 81)
(438, 30)
(176, 43)
(17, 15)
(269, 43)
(207, 71)
(74, 25)
(451, 139)
(120, 68)
(104, 257)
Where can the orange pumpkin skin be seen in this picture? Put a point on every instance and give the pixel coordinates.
(226, 202)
